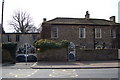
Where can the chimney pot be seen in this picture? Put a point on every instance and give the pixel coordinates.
(87, 16)
(112, 18)
(44, 19)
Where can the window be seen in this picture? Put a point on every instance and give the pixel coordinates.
(54, 32)
(17, 38)
(8, 38)
(98, 33)
(82, 33)
(113, 33)
(34, 37)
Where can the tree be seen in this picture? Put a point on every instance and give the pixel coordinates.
(22, 22)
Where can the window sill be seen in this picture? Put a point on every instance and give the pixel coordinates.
(54, 38)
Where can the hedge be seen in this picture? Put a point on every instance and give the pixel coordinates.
(11, 48)
(6, 57)
(44, 44)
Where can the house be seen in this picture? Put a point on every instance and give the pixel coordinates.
(20, 38)
(83, 32)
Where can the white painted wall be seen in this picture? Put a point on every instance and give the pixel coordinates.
(119, 12)
(118, 53)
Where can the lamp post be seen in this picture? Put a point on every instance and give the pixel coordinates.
(26, 52)
(1, 28)
(2, 15)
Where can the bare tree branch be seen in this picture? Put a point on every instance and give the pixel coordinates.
(22, 22)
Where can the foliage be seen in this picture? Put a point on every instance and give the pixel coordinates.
(65, 43)
(6, 57)
(45, 44)
(11, 47)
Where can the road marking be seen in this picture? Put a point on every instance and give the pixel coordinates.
(63, 73)
(34, 64)
(22, 73)
(64, 70)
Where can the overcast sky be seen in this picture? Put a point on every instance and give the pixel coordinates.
(50, 9)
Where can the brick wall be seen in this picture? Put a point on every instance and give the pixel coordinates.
(53, 55)
(89, 54)
(81, 55)
(71, 33)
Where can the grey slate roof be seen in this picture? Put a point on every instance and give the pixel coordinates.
(91, 21)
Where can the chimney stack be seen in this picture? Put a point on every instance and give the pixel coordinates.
(87, 16)
(112, 18)
(44, 19)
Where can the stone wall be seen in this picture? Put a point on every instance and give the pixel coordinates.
(89, 54)
(53, 55)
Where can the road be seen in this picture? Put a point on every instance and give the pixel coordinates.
(60, 73)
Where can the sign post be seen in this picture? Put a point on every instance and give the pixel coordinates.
(26, 52)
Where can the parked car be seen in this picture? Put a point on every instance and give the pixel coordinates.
(21, 58)
(24, 57)
(31, 58)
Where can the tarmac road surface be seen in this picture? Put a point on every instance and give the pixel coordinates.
(60, 73)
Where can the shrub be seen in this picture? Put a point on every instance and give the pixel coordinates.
(6, 57)
(11, 47)
(45, 44)
(65, 43)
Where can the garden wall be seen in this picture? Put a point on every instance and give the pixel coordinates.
(81, 55)
(53, 55)
(105, 54)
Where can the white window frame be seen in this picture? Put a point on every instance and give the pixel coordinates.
(52, 36)
(84, 33)
(100, 36)
(113, 33)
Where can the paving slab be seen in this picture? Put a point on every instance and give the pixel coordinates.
(21, 65)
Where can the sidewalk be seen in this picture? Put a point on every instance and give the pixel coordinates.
(76, 65)
(22, 65)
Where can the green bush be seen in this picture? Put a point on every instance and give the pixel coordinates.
(6, 57)
(45, 44)
(65, 43)
(11, 47)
